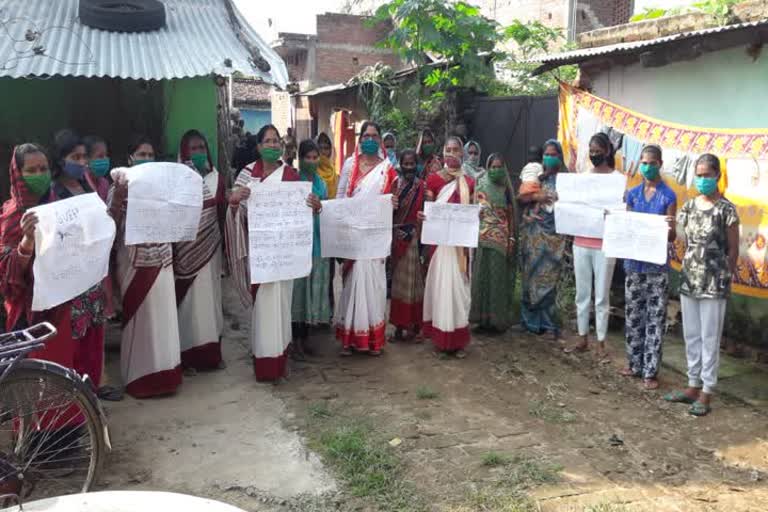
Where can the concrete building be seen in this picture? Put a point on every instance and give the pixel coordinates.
(344, 46)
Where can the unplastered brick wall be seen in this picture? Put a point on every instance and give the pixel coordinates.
(594, 14)
(552, 13)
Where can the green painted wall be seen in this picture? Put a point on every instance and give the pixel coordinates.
(190, 103)
(723, 89)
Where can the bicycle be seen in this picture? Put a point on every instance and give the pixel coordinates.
(53, 431)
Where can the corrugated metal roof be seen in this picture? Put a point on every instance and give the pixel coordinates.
(573, 56)
(199, 40)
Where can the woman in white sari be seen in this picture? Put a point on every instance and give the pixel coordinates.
(197, 265)
(270, 303)
(150, 357)
(360, 314)
(447, 293)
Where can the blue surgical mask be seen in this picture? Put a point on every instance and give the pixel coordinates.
(392, 155)
(73, 169)
(369, 147)
(706, 186)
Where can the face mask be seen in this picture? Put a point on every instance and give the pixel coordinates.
(270, 155)
(392, 155)
(100, 166)
(428, 149)
(551, 162)
(200, 161)
(140, 161)
(706, 186)
(369, 147)
(38, 184)
(308, 167)
(73, 169)
(649, 171)
(497, 174)
(452, 162)
(597, 160)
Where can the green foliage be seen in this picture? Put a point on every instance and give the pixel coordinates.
(720, 10)
(454, 33)
(493, 459)
(426, 393)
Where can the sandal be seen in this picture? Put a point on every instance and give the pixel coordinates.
(345, 352)
(374, 353)
(460, 354)
(678, 397)
(576, 349)
(627, 372)
(110, 394)
(699, 409)
(650, 384)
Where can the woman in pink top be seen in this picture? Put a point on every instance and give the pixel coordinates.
(590, 264)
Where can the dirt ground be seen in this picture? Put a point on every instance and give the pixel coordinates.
(514, 395)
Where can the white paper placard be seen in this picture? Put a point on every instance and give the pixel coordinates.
(455, 225)
(636, 236)
(73, 241)
(279, 231)
(164, 203)
(357, 228)
(593, 189)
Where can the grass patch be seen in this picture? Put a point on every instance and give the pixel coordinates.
(320, 410)
(493, 459)
(525, 473)
(426, 393)
(490, 500)
(606, 507)
(550, 413)
(366, 465)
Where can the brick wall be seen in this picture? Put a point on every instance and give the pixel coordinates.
(594, 14)
(347, 29)
(336, 65)
(553, 13)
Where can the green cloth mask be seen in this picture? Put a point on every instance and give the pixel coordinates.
(308, 167)
(99, 166)
(706, 186)
(428, 149)
(271, 155)
(200, 161)
(649, 171)
(551, 162)
(38, 184)
(497, 174)
(369, 147)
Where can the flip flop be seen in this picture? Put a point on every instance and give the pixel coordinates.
(627, 372)
(110, 394)
(699, 409)
(678, 397)
(345, 352)
(650, 384)
(576, 349)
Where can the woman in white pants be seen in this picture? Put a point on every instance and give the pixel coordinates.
(711, 227)
(590, 264)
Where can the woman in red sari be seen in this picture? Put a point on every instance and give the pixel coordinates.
(406, 306)
(447, 294)
(79, 343)
(197, 265)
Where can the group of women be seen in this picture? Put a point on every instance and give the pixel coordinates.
(170, 294)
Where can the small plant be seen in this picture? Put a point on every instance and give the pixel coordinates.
(320, 410)
(494, 459)
(527, 472)
(426, 393)
(550, 413)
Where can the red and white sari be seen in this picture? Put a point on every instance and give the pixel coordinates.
(447, 292)
(197, 268)
(270, 303)
(360, 315)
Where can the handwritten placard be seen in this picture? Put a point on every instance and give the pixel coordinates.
(357, 228)
(279, 231)
(164, 203)
(636, 236)
(73, 241)
(456, 225)
(583, 199)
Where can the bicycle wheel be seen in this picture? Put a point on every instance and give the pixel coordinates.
(52, 439)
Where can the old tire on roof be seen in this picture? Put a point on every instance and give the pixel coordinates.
(123, 15)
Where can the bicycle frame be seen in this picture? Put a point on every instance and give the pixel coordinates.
(17, 344)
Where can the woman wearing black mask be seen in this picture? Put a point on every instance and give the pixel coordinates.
(406, 307)
(590, 264)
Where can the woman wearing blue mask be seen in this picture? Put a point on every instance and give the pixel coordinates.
(70, 165)
(99, 165)
(710, 224)
(390, 146)
(647, 284)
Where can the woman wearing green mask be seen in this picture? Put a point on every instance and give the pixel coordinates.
(429, 159)
(99, 165)
(646, 284)
(198, 265)
(150, 352)
(311, 299)
(710, 224)
(495, 265)
(270, 303)
(79, 342)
